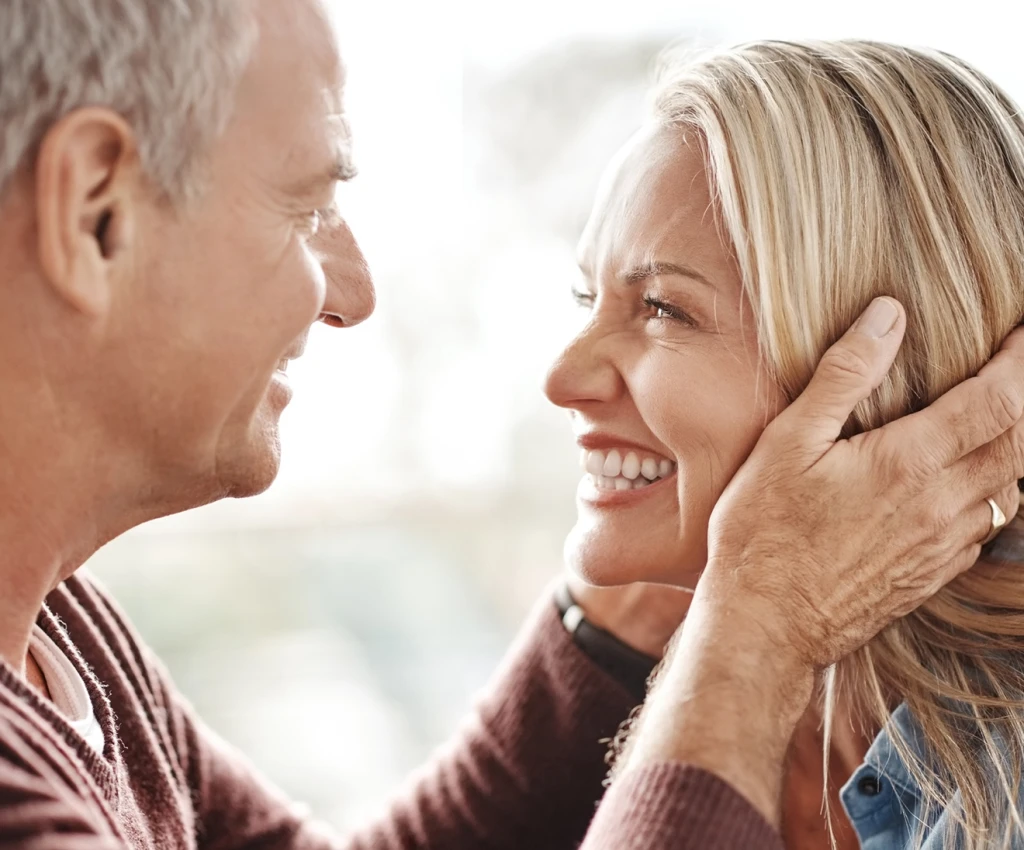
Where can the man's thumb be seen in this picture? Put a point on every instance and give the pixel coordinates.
(847, 374)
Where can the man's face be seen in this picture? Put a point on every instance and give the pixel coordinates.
(225, 289)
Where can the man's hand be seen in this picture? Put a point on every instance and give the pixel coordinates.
(828, 542)
(817, 545)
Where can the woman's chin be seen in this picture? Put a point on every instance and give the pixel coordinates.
(610, 564)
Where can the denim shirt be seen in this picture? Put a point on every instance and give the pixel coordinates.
(883, 801)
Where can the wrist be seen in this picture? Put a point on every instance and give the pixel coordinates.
(744, 643)
(728, 702)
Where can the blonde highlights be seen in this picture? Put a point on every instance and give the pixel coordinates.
(847, 170)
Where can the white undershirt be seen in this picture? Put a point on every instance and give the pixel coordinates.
(67, 690)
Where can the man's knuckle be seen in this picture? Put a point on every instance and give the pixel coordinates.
(847, 364)
(912, 467)
(1005, 404)
(944, 521)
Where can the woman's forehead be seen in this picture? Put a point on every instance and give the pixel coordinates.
(653, 198)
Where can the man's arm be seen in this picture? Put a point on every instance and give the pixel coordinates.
(527, 769)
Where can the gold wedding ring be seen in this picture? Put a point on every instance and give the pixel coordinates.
(998, 521)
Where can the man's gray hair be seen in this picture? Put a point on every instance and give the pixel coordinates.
(169, 67)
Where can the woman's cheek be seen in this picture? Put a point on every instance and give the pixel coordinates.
(710, 418)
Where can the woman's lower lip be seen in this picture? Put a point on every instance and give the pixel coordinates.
(590, 493)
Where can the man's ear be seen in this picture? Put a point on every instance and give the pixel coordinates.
(86, 183)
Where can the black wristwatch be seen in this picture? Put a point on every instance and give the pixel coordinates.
(629, 667)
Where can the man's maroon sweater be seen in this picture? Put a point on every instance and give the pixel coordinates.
(525, 771)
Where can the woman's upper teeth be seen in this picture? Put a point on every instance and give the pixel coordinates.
(625, 463)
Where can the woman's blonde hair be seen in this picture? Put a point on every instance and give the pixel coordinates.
(851, 169)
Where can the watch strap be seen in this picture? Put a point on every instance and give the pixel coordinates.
(628, 666)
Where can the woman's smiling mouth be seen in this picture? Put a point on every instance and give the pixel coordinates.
(619, 474)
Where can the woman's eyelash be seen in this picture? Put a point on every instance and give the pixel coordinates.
(670, 310)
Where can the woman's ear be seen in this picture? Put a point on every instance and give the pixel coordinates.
(86, 178)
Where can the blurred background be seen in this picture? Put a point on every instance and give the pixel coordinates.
(337, 627)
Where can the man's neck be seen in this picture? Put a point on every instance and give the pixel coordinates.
(55, 511)
(36, 556)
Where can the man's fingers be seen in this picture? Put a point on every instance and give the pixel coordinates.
(964, 534)
(982, 518)
(990, 466)
(848, 373)
(961, 563)
(972, 520)
(972, 414)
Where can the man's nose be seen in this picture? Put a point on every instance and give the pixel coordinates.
(350, 296)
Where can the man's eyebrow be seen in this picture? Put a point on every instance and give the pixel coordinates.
(341, 170)
(639, 274)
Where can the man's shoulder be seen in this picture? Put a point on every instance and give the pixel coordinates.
(33, 798)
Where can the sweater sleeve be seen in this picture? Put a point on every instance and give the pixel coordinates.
(677, 806)
(528, 766)
(525, 770)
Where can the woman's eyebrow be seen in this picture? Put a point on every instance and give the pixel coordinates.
(638, 274)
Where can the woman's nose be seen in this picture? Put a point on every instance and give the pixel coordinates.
(350, 297)
(584, 372)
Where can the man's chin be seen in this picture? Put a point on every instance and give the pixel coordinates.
(248, 467)
(254, 477)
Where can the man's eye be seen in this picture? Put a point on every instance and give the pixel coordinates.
(319, 219)
(316, 219)
(583, 299)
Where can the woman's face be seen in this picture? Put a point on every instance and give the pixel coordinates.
(663, 384)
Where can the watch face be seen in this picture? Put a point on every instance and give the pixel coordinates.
(572, 618)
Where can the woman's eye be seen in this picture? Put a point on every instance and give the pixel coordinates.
(664, 310)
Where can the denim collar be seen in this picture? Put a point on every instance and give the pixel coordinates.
(883, 757)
